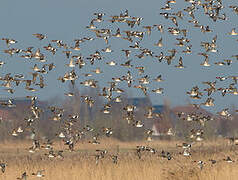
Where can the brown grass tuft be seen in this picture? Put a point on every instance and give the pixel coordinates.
(80, 164)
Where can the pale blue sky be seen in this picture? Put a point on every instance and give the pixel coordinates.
(67, 19)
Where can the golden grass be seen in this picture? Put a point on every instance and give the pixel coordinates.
(80, 164)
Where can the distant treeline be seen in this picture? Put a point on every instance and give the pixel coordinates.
(45, 127)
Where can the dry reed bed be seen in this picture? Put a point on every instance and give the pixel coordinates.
(81, 163)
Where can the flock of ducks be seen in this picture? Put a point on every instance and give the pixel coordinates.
(134, 35)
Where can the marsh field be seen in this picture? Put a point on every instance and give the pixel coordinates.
(81, 163)
(104, 90)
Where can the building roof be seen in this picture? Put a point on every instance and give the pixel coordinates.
(158, 108)
(138, 101)
(190, 109)
(22, 101)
